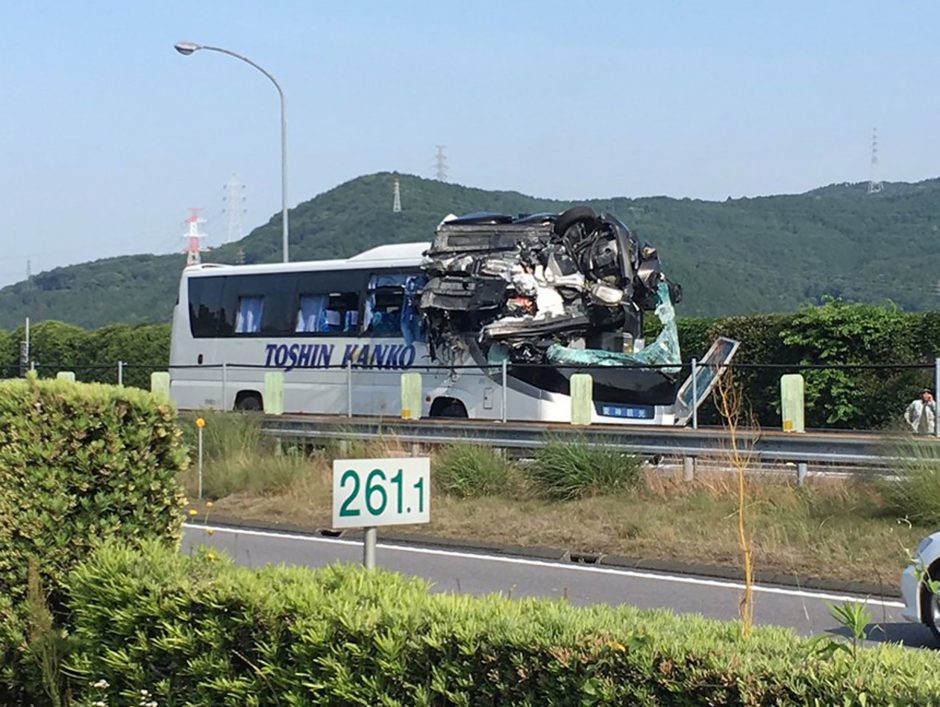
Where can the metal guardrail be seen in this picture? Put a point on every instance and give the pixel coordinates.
(841, 448)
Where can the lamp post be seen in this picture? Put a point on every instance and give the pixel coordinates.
(187, 48)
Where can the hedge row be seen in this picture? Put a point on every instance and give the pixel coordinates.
(837, 333)
(92, 355)
(79, 463)
(200, 631)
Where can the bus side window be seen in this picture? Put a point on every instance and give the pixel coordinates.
(328, 313)
(391, 306)
(206, 314)
(248, 317)
(383, 309)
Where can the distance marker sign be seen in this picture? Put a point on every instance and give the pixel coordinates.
(372, 492)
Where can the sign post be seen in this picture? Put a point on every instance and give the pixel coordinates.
(368, 493)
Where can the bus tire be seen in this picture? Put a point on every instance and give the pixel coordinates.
(248, 401)
(448, 407)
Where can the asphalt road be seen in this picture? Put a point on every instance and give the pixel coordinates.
(806, 611)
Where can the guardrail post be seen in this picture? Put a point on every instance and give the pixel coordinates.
(688, 469)
(349, 388)
(694, 394)
(224, 384)
(792, 392)
(120, 372)
(160, 383)
(411, 396)
(274, 393)
(582, 392)
(66, 376)
(505, 389)
(274, 401)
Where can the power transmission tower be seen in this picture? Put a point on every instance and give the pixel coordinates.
(29, 274)
(441, 164)
(233, 206)
(875, 185)
(396, 198)
(193, 237)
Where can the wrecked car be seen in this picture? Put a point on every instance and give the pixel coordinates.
(552, 295)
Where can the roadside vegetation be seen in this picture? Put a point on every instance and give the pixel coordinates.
(98, 606)
(589, 500)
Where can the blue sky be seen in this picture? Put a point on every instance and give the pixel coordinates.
(107, 134)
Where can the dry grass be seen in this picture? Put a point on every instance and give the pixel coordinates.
(831, 528)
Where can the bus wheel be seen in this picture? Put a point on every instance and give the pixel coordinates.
(249, 401)
(448, 407)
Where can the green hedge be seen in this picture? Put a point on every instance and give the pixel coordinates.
(92, 355)
(201, 631)
(79, 463)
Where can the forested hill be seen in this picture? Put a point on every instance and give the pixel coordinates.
(737, 256)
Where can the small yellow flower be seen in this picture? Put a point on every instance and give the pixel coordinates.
(192, 512)
(208, 504)
(200, 423)
(210, 531)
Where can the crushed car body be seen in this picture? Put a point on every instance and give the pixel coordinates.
(552, 295)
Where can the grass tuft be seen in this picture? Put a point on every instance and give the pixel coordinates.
(915, 493)
(569, 470)
(469, 470)
(239, 458)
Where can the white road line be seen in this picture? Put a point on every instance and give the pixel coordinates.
(679, 579)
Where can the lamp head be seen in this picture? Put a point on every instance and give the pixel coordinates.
(187, 48)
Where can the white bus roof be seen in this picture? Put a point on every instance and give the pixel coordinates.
(392, 255)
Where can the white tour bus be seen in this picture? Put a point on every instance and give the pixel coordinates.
(343, 331)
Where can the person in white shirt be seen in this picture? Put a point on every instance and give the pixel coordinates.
(921, 414)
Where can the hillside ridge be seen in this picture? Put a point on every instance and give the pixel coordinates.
(737, 256)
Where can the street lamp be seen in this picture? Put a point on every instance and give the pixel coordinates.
(187, 48)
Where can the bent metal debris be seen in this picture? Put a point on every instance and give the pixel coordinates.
(549, 294)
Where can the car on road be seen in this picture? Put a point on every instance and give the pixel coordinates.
(921, 605)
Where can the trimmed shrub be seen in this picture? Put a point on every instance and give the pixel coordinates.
(568, 470)
(842, 333)
(471, 470)
(79, 463)
(145, 348)
(201, 631)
